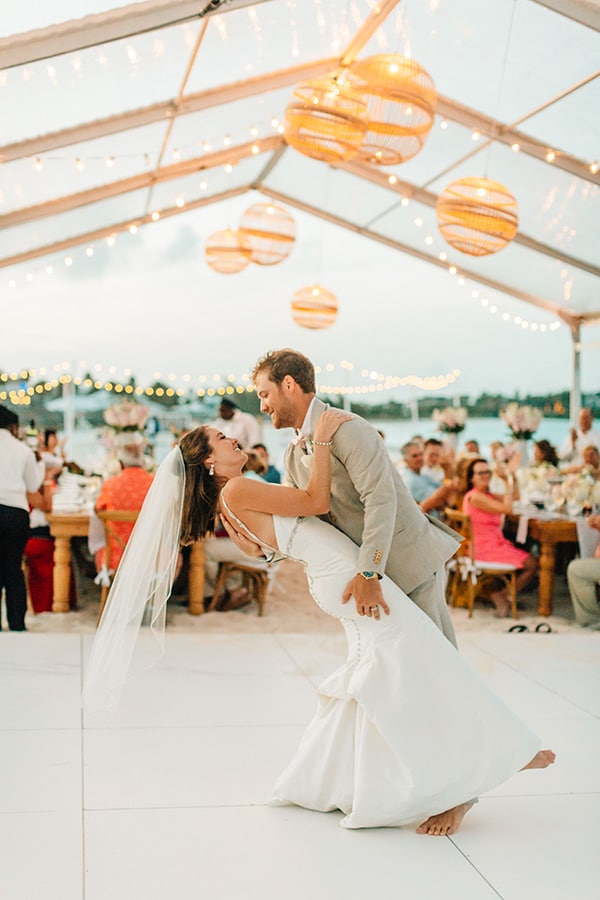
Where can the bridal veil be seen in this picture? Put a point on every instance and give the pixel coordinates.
(139, 592)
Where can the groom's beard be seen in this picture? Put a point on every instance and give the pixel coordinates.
(285, 415)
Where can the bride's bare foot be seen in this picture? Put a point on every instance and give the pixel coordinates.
(446, 822)
(541, 759)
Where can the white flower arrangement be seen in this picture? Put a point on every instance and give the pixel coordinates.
(581, 490)
(451, 419)
(537, 480)
(523, 421)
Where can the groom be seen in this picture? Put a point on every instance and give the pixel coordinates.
(369, 501)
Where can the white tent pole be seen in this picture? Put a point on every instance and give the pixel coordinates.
(68, 392)
(575, 401)
(414, 408)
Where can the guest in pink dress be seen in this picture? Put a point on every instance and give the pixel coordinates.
(487, 511)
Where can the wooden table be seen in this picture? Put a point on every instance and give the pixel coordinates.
(550, 533)
(64, 526)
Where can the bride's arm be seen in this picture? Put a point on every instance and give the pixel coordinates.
(243, 494)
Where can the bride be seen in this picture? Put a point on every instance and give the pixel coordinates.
(404, 730)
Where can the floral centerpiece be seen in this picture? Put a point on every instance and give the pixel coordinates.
(125, 423)
(126, 416)
(451, 420)
(536, 481)
(580, 490)
(523, 421)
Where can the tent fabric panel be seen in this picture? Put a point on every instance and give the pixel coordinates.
(94, 83)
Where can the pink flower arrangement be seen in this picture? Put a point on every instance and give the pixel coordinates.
(523, 421)
(126, 416)
(451, 420)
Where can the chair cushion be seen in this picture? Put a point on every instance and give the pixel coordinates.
(503, 567)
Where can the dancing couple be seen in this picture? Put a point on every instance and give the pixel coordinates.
(405, 732)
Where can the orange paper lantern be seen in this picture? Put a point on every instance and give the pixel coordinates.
(314, 307)
(401, 99)
(326, 119)
(269, 231)
(227, 252)
(477, 216)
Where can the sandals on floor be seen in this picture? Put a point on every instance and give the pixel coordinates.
(541, 628)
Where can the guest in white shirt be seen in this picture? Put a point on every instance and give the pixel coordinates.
(237, 424)
(20, 480)
(581, 437)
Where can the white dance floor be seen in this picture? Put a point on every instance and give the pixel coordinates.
(168, 800)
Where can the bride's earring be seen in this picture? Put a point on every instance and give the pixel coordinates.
(211, 471)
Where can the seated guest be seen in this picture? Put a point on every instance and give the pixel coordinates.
(254, 467)
(52, 450)
(583, 578)
(124, 491)
(272, 474)
(472, 448)
(431, 496)
(572, 450)
(435, 464)
(544, 454)
(237, 424)
(590, 463)
(39, 550)
(487, 511)
(499, 455)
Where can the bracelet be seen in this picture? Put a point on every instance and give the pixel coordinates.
(48, 482)
(322, 443)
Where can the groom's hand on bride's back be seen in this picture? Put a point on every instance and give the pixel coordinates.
(244, 543)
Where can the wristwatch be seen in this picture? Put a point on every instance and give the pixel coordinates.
(369, 576)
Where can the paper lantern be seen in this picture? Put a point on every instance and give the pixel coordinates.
(401, 99)
(314, 307)
(269, 231)
(477, 216)
(227, 252)
(326, 119)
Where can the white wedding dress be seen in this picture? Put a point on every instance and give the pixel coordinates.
(404, 728)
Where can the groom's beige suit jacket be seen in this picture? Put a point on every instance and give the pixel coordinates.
(371, 504)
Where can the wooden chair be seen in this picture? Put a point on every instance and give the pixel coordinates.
(108, 517)
(254, 578)
(464, 571)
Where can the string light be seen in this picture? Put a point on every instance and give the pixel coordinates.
(110, 160)
(223, 384)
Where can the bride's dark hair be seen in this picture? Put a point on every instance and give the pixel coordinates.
(201, 492)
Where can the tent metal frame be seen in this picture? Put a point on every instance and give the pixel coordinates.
(117, 24)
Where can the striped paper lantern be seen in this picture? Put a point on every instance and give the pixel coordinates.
(314, 307)
(477, 216)
(270, 231)
(227, 252)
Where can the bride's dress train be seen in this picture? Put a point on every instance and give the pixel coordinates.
(404, 728)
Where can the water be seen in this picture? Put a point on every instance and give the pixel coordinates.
(87, 450)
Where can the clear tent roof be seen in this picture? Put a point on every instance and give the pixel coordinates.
(164, 107)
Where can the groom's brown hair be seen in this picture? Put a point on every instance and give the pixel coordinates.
(279, 363)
